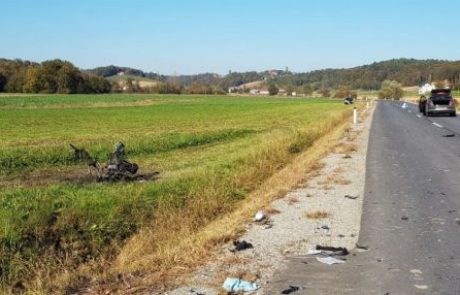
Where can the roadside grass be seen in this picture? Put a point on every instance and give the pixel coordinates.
(212, 152)
(317, 215)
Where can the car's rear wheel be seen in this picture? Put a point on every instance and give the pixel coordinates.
(453, 114)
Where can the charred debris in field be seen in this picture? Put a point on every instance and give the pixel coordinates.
(117, 168)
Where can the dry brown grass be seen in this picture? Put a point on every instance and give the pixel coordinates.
(339, 180)
(292, 200)
(316, 169)
(335, 178)
(271, 211)
(317, 214)
(345, 148)
(176, 243)
(338, 170)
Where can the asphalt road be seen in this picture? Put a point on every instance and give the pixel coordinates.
(411, 214)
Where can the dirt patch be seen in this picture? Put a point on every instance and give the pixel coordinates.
(63, 175)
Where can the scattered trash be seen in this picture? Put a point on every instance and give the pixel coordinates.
(404, 218)
(452, 211)
(325, 227)
(329, 260)
(404, 106)
(268, 226)
(192, 291)
(241, 245)
(290, 290)
(341, 236)
(238, 285)
(362, 247)
(346, 157)
(351, 197)
(260, 215)
(448, 135)
(333, 251)
(314, 252)
(379, 259)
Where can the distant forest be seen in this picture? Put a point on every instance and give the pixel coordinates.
(56, 76)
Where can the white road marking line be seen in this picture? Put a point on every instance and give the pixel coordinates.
(437, 125)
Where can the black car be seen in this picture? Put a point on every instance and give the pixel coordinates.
(440, 101)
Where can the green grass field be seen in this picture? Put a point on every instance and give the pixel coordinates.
(211, 147)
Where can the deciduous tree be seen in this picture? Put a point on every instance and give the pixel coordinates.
(273, 90)
(391, 89)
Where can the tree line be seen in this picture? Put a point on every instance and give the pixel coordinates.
(408, 72)
(53, 76)
(57, 76)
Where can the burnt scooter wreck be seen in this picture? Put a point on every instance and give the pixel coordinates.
(116, 169)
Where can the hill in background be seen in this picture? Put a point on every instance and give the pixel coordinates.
(62, 77)
(409, 72)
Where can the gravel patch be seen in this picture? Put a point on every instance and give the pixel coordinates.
(325, 211)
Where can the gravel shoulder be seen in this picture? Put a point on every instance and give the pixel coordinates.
(326, 211)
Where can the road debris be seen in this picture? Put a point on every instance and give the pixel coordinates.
(268, 226)
(241, 245)
(333, 251)
(351, 197)
(362, 247)
(404, 217)
(260, 215)
(238, 285)
(329, 260)
(448, 135)
(290, 290)
(314, 252)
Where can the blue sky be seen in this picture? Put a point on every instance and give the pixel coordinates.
(191, 36)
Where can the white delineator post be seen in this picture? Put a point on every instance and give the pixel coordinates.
(355, 116)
